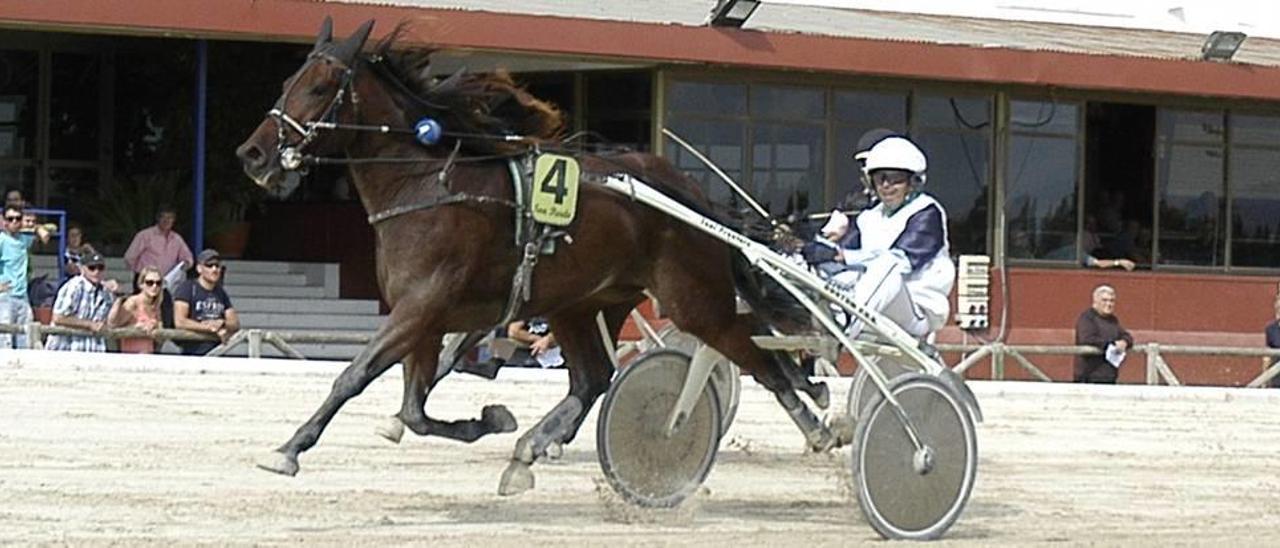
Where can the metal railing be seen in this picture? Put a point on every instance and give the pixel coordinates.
(1157, 368)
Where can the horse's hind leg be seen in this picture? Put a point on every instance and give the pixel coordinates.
(420, 376)
(702, 305)
(589, 372)
(393, 341)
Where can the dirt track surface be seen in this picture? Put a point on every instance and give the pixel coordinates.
(94, 453)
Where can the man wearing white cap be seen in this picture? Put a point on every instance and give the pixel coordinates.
(898, 249)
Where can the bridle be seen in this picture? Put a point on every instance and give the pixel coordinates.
(291, 154)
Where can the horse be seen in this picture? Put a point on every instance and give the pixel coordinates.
(445, 217)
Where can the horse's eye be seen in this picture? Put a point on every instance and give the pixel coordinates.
(319, 90)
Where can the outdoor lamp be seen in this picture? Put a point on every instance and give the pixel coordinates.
(1221, 45)
(733, 13)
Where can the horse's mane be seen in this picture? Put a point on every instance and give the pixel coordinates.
(479, 104)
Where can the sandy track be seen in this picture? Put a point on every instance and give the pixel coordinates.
(96, 454)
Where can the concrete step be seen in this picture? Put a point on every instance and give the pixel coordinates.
(299, 322)
(234, 265)
(235, 290)
(306, 306)
(270, 278)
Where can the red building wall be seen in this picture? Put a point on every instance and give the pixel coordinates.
(1168, 308)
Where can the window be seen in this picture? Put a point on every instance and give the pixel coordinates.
(1253, 183)
(771, 139)
(955, 133)
(1040, 196)
(855, 113)
(1189, 166)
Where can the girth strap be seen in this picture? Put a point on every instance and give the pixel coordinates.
(454, 198)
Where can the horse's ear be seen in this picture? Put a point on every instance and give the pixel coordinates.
(449, 83)
(347, 51)
(326, 33)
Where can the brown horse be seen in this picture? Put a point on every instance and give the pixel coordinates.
(446, 251)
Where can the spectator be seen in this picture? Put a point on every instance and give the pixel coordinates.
(14, 306)
(84, 302)
(77, 248)
(13, 198)
(142, 310)
(161, 247)
(1273, 339)
(534, 345)
(1094, 262)
(1100, 328)
(202, 305)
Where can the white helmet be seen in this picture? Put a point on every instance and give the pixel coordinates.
(897, 153)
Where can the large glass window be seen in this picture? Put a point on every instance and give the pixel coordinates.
(955, 133)
(1040, 197)
(19, 82)
(1189, 157)
(1254, 190)
(855, 113)
(771, 139)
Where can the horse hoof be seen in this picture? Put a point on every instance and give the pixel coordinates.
(279, 463)
(843, 426)
(499, 418)
(555, 451)
(822, 396)
(392, 430)
(516, 479)
(822, 440)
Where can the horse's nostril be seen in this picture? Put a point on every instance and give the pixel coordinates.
(250, 154)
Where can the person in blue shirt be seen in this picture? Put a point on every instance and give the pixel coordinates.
(14, 307)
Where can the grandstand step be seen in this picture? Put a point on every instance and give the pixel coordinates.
(305, 306)
(298, 322)
(258, 278)
(235, 290)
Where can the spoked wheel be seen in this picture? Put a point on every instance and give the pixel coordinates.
(642, 463)
(907, 493)
(863, 388)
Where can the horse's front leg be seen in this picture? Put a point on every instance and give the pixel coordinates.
(392, 342)
(589, 372)
(421, 372)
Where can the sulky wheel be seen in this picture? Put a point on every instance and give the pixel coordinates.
(642, 463)
(907, 493)
(863, 388)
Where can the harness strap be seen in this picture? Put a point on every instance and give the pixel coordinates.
(433, 202)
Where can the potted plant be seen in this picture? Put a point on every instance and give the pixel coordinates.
(228, 207)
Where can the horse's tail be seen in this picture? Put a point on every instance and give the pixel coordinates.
(769, 301)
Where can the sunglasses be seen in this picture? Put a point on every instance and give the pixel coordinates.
(890, 179)
(151, 283)
(213, 265)
(12, 219)
(95, 267)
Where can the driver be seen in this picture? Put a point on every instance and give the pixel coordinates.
(897, 250)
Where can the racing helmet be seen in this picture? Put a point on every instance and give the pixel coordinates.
(897, 153)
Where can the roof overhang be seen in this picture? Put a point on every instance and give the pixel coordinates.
(297, 20)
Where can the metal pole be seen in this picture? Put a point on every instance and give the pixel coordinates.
(202, 103)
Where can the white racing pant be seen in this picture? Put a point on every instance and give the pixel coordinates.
(882, 288)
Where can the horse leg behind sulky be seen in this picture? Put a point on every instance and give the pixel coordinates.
(394, 340)
(590, 369)
(702, 304)
(420, 376)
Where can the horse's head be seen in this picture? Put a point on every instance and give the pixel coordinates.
(318, 93)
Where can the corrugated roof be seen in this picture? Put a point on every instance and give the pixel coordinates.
(878, 25)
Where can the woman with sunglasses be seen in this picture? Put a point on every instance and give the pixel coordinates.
(142, 310)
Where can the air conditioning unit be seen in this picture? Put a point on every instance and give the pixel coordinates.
(973, 292)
